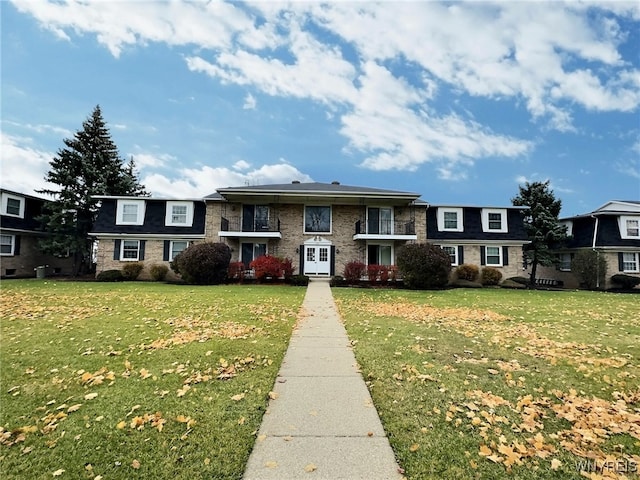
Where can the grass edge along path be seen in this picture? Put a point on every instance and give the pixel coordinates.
(137, 380)
(502, 384)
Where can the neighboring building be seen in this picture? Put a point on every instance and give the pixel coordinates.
(320, 226)
(19, 236)
(484, 236)
(149, 230)
(613, 230)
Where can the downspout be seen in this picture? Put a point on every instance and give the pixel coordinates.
(593, 247)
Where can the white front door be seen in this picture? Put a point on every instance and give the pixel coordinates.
(317, 259)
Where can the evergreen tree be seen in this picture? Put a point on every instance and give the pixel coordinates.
(541, 223)
(87, 166)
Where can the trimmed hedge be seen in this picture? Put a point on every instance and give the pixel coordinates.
(467, 271)
(159, 272)
(625, 281)
(110, 276)
(491, 276)
(132, 270)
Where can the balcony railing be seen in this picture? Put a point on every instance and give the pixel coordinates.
(386, 227)
(238, 224)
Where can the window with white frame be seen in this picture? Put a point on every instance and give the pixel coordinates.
(630, 227)
(7, 244)
(130, 212)
(179, 214)
(494, 220)
(493, 256)
(317, 219)
(130, 250)
(630, 262)
(176, 247)
(450, 219)
(12, 205)
(452, 252)
(564, 262)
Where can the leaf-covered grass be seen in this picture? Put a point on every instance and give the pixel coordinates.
(136, 380)
(496, 383)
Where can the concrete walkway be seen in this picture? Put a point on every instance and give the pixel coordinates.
(322, 424)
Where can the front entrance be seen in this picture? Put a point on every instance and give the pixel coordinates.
(317, 257)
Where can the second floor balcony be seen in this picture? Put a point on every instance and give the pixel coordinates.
(242, 226)
(383, 229)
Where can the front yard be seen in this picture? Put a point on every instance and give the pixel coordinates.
(145, 380)
(502, 383)
(136, 380)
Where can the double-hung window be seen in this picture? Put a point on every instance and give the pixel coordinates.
(12, 205)
(564, 262)
(179, 214)
(130, 212)
(452, 251)
(177, 246)
(7, 244)
(494, 220)
(450, 219)
(631, 228)
(130, 250)
(630, 262)
(493, 256)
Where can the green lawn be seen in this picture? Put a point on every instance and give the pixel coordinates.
(496, 383)
(136, 380)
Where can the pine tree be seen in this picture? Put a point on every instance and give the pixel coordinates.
(87, 166)
(541, 223)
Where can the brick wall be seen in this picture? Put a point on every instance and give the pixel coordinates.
(31, 257)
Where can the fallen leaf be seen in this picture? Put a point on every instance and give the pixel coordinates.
(310, 468)
(135, 464)
(90, 396)
(74, 408)
(273, 395)
(238, 397)
(414, 447)
(271, 464)
(121, 425)
(555, 464)
(58, 472)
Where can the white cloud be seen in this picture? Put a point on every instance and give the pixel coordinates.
(43, 128)
(249, 102)
(241, 165)
(23, 167)
(529, 52)
(149, 160)
(199, 182)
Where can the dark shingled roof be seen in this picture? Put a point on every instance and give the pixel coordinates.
(310, 188)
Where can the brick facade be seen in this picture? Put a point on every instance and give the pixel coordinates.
(30, 257)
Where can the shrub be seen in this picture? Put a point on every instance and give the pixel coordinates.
(338, 281)
(203, 263)
(509, 283)
(236, 271)
(467, 271)
(590, 267)
(287, 268)
(298, 280)
(625, 281)
(131, 271)
(158, 272)
(267, 266)
(491, 276)
(520, 280)
(424, 265)
(354, 271)
(110, 276)
(385, 273)
(373, 273)
(461, 283)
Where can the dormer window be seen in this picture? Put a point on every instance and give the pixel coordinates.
(130, 212)
(450, 219)
(494, 220)
(179, 214)
(630, 227)
(12, 205)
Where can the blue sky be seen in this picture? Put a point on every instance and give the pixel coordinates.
(460, 102)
